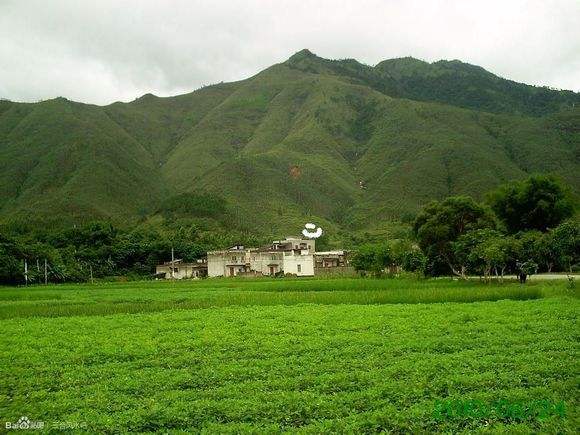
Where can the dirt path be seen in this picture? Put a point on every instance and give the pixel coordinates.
(545, 276)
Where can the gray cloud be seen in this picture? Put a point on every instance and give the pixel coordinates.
(100, 52)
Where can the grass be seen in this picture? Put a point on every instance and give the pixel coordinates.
(304, 360)
(102, 299)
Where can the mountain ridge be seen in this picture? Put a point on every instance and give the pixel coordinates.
(336, 141)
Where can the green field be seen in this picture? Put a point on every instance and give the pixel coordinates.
(291, 355)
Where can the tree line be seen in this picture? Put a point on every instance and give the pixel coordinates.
(100, 249)
(522, 228)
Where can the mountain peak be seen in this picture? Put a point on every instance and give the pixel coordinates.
(302, 54)
(147, 97)
(402, 62)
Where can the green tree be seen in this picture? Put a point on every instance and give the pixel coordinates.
(398, 249)
(567, 244)
(529, 248)
(538, 203)
(440, 224)
(465, 255)
(504, 251)
(372, 258)
(494, 253)
(414, 261)
(482, 251)
(10, 261)
(526, 268)
(547, 250)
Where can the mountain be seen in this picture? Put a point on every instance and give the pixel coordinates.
(336, 141)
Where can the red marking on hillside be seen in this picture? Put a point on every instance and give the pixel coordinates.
(295, 171)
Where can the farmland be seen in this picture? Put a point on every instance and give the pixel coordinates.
(296, 355)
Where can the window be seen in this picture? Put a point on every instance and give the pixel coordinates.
(299, 267)
(234, 258)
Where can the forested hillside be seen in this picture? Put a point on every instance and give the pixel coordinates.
(339, 142)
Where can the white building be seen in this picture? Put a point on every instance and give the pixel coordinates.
(290, 256)
(177, 269)
(229, 262)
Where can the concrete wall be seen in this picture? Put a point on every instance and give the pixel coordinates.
(182, 271)
(216, 265)
(285, 261)
(335, 271)
(306, 262)
(260, 261)
(225, 262)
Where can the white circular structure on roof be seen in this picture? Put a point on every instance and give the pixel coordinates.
(306, 232)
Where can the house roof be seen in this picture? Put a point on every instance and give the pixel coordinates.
(191, 265)
(322, 253)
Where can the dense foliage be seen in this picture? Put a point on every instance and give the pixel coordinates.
(392, 257)
(457, 236)
(465, 236)
(537, 203)
(99, 249)
(194, 205)
(440, 224)
(470, 86)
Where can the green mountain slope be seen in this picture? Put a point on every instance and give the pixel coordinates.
(340, 142)
(472, 87)
(64, 159)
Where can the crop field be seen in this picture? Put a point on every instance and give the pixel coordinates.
(348, 355)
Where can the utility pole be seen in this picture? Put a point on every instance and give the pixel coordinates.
(172, 264)
(25, 272)
(91, 270)
(45, 272)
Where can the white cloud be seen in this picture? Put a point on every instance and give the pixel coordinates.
(99, 52)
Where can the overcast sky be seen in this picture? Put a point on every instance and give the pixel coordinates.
(100, 51)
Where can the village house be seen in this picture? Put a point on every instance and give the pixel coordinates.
(289, 256)
(177, 269)
(328, 263)
(229, 262)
